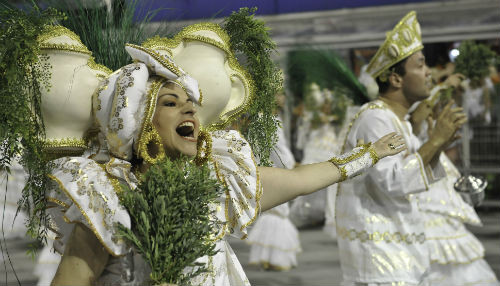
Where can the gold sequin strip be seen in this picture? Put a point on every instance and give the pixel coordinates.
(65, 142)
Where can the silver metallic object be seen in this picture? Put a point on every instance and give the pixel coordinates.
(471, 189)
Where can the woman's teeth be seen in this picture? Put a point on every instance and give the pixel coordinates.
(185, 129)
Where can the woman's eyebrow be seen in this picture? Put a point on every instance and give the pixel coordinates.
(171, 94)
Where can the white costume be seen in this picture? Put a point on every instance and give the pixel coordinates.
(380, 232)
(273, 238)
(456, 255)
(92, 200)
(86, 190)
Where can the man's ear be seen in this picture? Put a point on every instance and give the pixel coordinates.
(396, 80)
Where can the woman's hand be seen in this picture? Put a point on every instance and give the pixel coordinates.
(390, 144)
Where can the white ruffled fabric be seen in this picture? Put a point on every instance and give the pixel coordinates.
(234, 165)
(456, 254)
(83, 192)
(449, 241)
(444, 200)
(275, 240)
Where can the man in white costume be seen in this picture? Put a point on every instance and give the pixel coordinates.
(380, 231)
(456, 255)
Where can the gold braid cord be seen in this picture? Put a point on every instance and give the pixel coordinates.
(356, 161)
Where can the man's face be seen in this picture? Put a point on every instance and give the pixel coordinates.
(417, 81)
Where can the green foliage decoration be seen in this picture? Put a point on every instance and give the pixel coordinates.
(474, 60)
(105, 33)
(325, 68)
(249, 37)
(173, 219)
(23, 74)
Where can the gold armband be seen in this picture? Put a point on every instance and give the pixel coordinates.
(356, 161)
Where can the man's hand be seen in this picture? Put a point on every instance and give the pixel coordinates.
(447, 124)
(390, 144)
(421, 113)
(454, 80)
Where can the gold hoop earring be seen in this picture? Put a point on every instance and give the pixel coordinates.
(150, 135)
(204, 148)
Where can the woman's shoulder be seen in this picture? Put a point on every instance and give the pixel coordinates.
(236, 168)
(85, 192)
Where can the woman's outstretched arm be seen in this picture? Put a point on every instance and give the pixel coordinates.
(83, 261)
(282, 185)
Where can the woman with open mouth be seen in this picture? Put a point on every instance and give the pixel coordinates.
(146, 111)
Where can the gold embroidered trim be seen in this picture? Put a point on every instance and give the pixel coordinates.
(343, 174)
(91, 225)
(166, 44)
(258, 193)
(204, 151)
(66, 47)
(54, 31)
(114, 181)
(149, 112)
(58, 202)
(98, 67)
(422, 171)
(161, 59)
(396, 237)
(65, 142)
(226, 202)
(341, 161)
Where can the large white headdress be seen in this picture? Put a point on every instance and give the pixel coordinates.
(66, 107)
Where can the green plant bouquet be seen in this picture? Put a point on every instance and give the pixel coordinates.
(474, 60)
(326, 69)
(173, 219)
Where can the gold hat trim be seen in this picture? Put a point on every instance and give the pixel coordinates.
(51, 32)
(407, 35)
